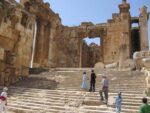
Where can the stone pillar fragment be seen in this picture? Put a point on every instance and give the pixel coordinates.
(124, 51)
(143, 23)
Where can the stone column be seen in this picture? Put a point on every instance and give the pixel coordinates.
(53, 45)
(81, 44)
(143, 23)
(40, 43)
(123, 50)
(52, 52)
(126, 25)
(102, 51)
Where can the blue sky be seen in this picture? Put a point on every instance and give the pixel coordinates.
(73, 12)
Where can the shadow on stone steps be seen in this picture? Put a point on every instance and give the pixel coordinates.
(39, 83)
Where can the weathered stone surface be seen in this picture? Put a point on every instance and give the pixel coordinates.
(128, 64)
(141, 59)
(16, 33)
(113, 65)
(99, 65)
(31, 34)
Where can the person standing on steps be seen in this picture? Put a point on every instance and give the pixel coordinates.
(104, 89)
(3, 100)
(92, 81)
(118, 103)
(145, 108)
(85, 82)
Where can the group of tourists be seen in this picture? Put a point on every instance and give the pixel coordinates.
(145, 108)
(104, 82)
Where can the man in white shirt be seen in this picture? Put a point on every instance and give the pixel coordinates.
(104, 89)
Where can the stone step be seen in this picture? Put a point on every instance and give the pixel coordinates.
(37, 99)
(127, 109)
(20, 110)
(60, 92)
(71, 95)
(115, 90)
(71, 99)
(74, 92)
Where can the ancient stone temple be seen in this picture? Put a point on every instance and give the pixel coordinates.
(32, 35)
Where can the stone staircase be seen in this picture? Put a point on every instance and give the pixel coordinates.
(69, 98)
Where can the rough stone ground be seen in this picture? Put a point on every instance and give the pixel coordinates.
(58, 91)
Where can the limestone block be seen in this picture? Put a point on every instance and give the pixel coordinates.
(18, 71)
(74, 33)
(146, 62)
(2, 66)
(141, 59)
(129, 63)
(2, 53)
(6, 78)
(25, 71)
(113, 65)
(19, 27)
(2, 78)
(143, 10)
(5, 30)
(11, 58)
(99, 65)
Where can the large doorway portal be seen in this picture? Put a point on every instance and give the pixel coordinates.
(91, 51)
(135, 38)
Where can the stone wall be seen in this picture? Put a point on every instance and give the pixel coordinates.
(15, 41)
(32, 35)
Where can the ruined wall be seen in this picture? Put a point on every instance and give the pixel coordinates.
(48, 29)
(70, 44)
(15, 41)
(31, 34)
(61, 46)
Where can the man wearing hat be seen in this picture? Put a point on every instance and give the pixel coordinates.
(3, 100)
(104, 89)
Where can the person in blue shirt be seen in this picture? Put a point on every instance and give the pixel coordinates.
(118, 102)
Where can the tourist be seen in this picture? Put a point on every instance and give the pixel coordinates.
(145, 108)
(3, 100)
(84, 81)
(118, 103)
(104, 89)
(92, 81)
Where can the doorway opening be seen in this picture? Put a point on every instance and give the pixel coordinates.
(91, 52)
(135, 38)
